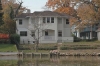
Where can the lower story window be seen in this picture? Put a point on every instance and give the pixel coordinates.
(23, 33)
(33, 34)
(59, 33)
(46, 33)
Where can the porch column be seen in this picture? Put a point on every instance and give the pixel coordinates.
(29, 30)
(56, 29)
(78, 33)
(90, 35)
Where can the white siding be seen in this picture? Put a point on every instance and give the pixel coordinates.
(52, 28)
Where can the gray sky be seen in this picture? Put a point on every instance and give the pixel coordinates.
(34, 5)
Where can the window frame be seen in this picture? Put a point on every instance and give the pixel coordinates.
(67, 21)
(48, 19)
(20, 21)
(52, 21)
(59, 33)
(23, 33)
(46, 33)
(33, 34)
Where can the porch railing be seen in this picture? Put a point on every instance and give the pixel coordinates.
(49, 37)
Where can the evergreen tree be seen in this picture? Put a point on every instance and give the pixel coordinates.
(1, 14)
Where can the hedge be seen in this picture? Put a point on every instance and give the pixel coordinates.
(77, 48)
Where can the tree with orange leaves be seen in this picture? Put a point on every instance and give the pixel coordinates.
(87, 11)
(62, 6)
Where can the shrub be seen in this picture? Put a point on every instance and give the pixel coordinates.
(47, 48)
(76, 39)
(14, 38)
(77, 47)
(64, 48)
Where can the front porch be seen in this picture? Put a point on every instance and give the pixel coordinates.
(48, 36)
(88, 35)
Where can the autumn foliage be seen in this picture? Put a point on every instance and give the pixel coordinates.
(83, 12)
(4, 36)
(61, 6)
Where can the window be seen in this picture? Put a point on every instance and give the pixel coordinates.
(59, 33)
(67, 21)
(52, 19)
(23, 33)
(44, 20)
(48, 19)
(46, 33)
(20, 21)
(33, 34)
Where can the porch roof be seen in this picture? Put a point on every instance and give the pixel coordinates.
(22, 29)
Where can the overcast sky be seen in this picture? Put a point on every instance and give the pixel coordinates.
(34, 5)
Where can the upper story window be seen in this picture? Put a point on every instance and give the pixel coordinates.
(48, 19)
(52, 19)
(44, 20)
(67, 21)
(23, 33)
(20, 21)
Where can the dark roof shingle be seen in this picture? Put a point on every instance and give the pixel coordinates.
(43, 13)
(23, 15)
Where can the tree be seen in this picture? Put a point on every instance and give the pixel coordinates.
(36, 29)
(1, 14)
(11, 9)
(62, 6)
(81, 10)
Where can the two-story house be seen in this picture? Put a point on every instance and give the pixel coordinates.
(47, 26)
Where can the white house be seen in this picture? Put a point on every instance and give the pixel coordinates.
(50, 27)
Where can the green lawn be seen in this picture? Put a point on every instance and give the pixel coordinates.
(8, 62)
(8, 47)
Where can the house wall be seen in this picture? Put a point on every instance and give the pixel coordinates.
(66, 31)
(24, 27)
(24, 39)
(53, 29)
(25, 23)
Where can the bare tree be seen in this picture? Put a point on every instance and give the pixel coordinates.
(36, 31)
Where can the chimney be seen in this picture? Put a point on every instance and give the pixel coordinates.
(28, 11)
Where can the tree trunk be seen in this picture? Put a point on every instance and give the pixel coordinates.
(36, 46)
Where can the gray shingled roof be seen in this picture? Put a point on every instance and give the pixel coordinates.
(23, 15)
(42, 13)
(49, 13)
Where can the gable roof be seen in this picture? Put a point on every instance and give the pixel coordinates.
(43, 13)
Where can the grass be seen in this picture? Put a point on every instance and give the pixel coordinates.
(8, 47)
(8, 62)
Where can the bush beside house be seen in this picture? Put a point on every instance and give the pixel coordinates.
(14, 38)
